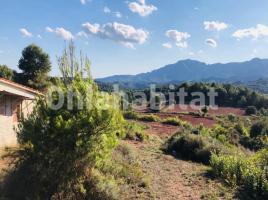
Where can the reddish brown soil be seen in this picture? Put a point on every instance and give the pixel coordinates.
(209, 123)
(194, 120)
(182, 111)
(160, 129)
(216, 111)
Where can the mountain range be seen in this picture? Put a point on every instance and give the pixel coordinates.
(192, 70)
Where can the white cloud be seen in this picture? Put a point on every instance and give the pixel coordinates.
(211, 43)
(180, 38)
(121, 33)
(91, 28)
(1, 51)
(107, 10)
(50, 30)
(118, 14)
(259, 31)
(167, 45)
(84, 2)
(39, 36)
(25, 33)
(142, 8)
(215, 25)
(82, 34)
(191, 53)
(61, 32)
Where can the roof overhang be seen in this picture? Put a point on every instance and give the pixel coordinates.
(11, 88)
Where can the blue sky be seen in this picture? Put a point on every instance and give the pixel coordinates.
(129, 37)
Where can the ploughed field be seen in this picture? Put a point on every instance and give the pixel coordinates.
(213, 111)
(192, 114)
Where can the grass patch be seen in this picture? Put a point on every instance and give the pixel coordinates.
(135, 131)
(174, 121)
(131, 115)
(149, 118)
(247, 172)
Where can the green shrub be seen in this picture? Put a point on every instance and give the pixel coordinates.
(241, 129)
(248, 172)
(251, 110)
(232, 117)
(130, 115)
(193, 147)
(259, 128)
(149, 118)
(255, 143)
(135, 131)
(222, 134)
(204, 110)
(175, 121)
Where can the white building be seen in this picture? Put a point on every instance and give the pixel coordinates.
(15, 100)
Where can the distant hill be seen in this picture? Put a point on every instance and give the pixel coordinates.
(192, 70)
(260, 85)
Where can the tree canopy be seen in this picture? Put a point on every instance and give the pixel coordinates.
(6, 72)
(35, 66)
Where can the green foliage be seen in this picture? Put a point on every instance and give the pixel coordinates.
(204, 110)
(259, 128)
(193, 147)
(130, 115)
(126, 164)
(135, 132)
(228, 95)
(175, 121)
(247, 172)
(61, 148)
(121, 171)
(251, 110)
(149, 118)
(35, 66)
(255, 143)
(6, 72)
(232, 117)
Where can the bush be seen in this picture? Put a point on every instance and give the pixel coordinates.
(255, 143)
(130, 115)
(247, 172)
(135, 131)
(232, 117)
(193, 147)
(259, 128)
(149, 118)
(204, 110)
(173, 121)
(251, 110)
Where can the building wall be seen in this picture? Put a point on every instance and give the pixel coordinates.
(11, 107)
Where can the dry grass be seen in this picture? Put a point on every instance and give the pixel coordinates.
(173, 179)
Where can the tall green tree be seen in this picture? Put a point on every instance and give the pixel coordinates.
(6, 72)
(35, 66)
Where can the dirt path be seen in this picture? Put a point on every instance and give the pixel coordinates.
(174, 179)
